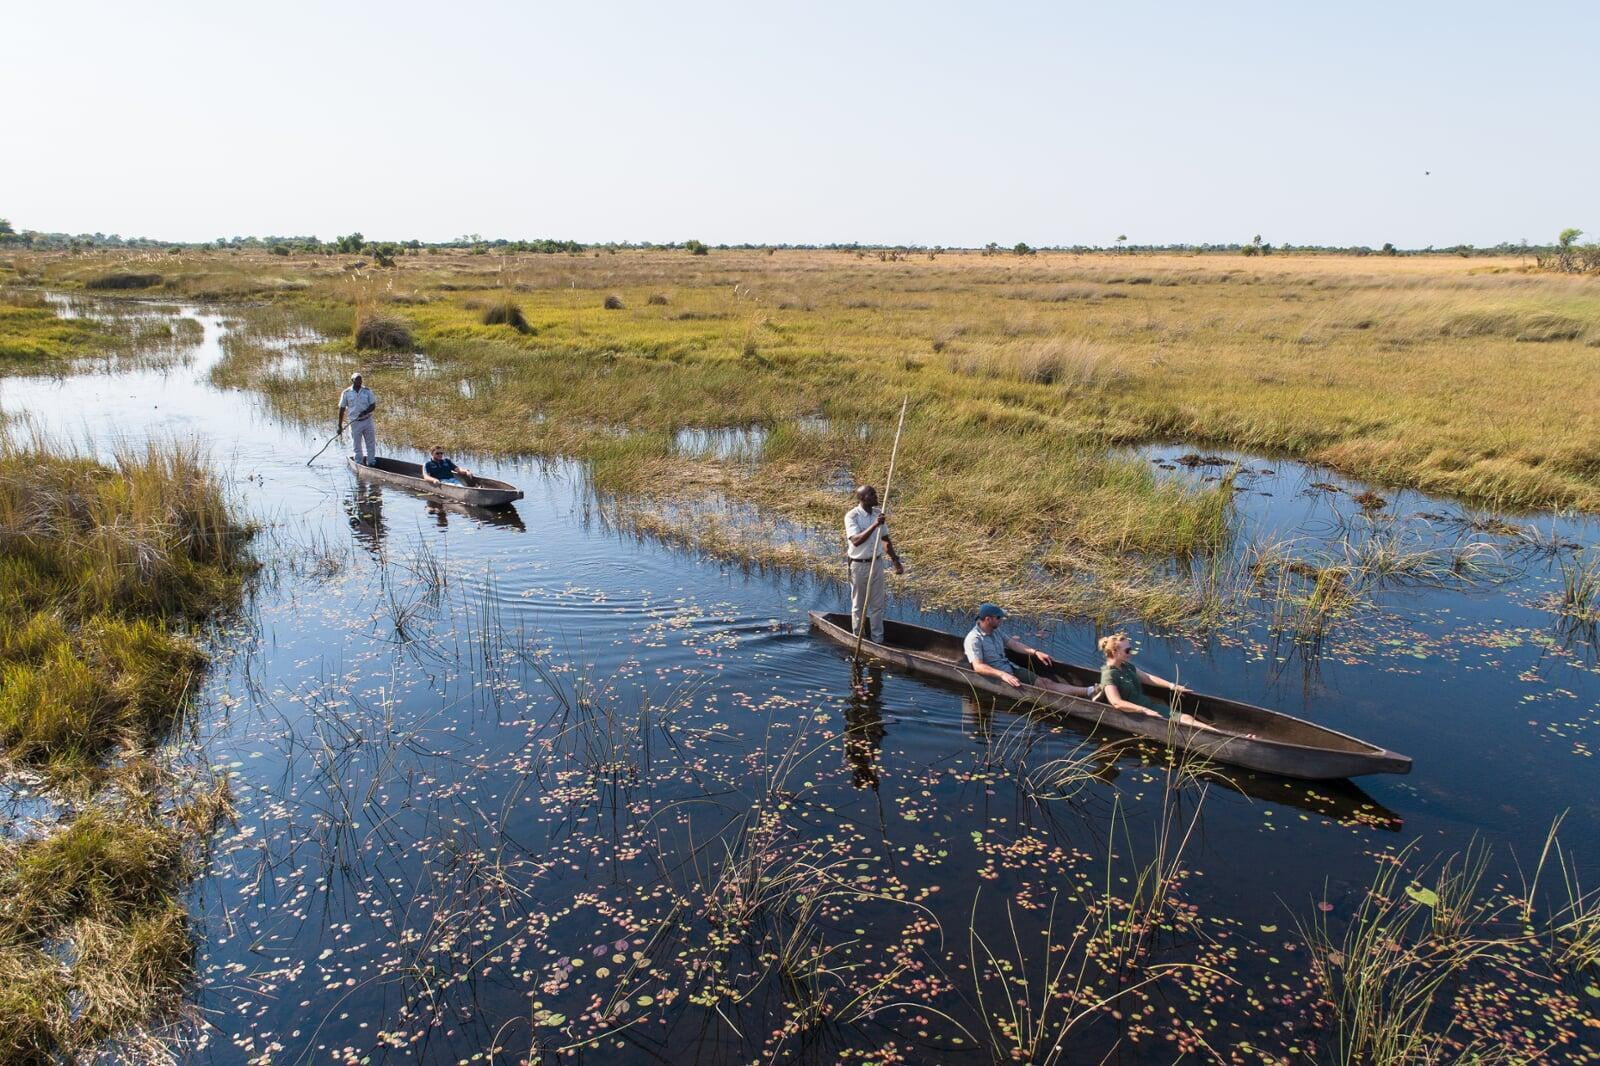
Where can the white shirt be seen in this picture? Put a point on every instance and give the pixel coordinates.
(855, 524)
(355, 400)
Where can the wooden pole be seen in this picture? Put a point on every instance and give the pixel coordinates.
(324, 447)
(883, 509)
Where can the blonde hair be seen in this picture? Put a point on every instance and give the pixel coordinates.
(1108, 645)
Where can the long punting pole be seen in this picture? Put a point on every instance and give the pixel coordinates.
(883, 509)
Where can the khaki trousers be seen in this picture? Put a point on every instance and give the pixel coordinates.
(859, 602)
(362, 433)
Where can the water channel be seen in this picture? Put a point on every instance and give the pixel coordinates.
(490, 766)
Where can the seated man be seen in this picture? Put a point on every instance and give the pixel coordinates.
(441, 471)
(986, 651)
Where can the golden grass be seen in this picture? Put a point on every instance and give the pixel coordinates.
(1457, 376)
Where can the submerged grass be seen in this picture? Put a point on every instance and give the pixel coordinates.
(105, 571)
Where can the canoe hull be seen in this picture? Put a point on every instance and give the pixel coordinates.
(1281, 745)
(485, 492)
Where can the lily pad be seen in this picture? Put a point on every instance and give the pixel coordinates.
(1425, 896)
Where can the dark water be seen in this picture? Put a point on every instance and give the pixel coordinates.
(506, 782)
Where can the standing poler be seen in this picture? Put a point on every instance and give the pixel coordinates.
(356, 404)
(867, 544)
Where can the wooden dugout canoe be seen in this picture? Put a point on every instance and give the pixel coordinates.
(1279, 744)
(483, 492)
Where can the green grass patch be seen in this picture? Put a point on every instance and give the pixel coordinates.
(34, 339)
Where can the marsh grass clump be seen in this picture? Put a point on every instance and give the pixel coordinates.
(657, 299)
(505, 313)
(1579, 594)
(1075, 363)
(93, 938)
(105, 571)
(122, 280)
(613, 302)
(382, 333)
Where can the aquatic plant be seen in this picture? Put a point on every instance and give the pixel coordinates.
(1579, 595)
(1413, 937)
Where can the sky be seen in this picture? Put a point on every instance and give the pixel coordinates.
(1417, 123)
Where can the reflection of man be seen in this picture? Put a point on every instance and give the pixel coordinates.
(356, 404)
(364, 506)
(863, 722)
(865, 526)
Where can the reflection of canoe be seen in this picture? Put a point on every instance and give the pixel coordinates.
(1279, 744)
(1343, 801)
(483, 492)
(1339, 799)
(503, 517)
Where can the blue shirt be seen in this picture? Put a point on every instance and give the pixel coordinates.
(440, 468)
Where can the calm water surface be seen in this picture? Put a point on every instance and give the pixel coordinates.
(491, 766)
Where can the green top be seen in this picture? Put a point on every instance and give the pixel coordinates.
(1129, 687)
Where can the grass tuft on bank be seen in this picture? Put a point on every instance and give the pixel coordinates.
(106, 571)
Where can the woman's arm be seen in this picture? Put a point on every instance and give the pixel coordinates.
(1115, 699)
(1163, 682)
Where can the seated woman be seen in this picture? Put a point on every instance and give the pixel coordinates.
(1123, 683)
(441, 471)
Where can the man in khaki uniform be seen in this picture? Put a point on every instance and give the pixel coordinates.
(867, 545)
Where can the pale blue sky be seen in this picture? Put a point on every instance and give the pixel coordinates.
(927, 123)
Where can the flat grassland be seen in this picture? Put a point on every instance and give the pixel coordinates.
(1027, 376)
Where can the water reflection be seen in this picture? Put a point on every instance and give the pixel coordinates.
(363, 506)
(499, 517)
(864, 729)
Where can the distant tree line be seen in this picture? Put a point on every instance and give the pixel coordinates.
(1565, 254)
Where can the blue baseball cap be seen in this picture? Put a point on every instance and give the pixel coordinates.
(990, 610)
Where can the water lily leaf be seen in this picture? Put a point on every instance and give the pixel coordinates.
(1425, 896)
(1593, 990)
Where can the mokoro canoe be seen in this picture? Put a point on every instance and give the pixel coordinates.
(1276, 743)
(483, 492)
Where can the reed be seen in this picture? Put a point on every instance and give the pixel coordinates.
(1575, 927)
(1386, 979)
(1578, 597)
